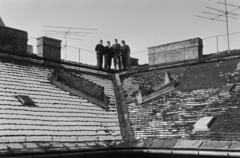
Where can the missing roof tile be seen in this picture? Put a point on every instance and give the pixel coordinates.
(25, 100)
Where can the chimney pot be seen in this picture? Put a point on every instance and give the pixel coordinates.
(29, 49)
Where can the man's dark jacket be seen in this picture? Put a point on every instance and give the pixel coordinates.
(125, 50)
(99, 49)
(108, 51)
(116, 49)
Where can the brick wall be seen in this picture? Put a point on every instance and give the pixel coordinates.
(13, 40)
(49, 47)
(178, 51)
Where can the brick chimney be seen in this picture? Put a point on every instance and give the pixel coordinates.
(49, 47)
(13, 40)
(29, 49)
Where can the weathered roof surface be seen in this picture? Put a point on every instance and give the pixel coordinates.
(59, 116)
(226, 126)
(63, 122)
(173, 114)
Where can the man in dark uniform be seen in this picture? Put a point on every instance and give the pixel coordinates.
(125, 53)
(117, 59)
(100, 51)
(108, 51)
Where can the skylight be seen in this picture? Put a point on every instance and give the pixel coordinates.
(25, 100)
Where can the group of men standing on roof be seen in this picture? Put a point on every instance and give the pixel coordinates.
(119, 53)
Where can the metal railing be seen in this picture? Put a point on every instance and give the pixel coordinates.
(182, 63)
(80, 51)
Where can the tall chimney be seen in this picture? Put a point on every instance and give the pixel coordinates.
(49, 47)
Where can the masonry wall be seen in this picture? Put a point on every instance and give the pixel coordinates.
(13, 40)
(49, 48)
(178, 51)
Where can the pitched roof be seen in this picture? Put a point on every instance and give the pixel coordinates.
(63, 122)
(197, 95)
(1, 22)
(58, 115)
(226, 126)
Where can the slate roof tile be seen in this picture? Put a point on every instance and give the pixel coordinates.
(215, 144)
(174, 114)
(58, 116)
(235, 146)
(148, 142)
(185, 143)
(164, 143)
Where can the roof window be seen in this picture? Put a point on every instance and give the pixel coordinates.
(25, 100)
(203, 124)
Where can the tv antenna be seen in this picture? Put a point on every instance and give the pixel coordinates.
(223, 13)
(67, 33)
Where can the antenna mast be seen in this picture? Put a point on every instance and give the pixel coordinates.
(225, 13)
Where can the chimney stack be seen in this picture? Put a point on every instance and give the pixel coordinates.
(29, 49)
(49, 47)
(13, 40)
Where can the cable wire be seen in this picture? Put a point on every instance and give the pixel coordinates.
(78, 48)
(140, 52)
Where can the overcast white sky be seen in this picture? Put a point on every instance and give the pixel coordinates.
(141, 23)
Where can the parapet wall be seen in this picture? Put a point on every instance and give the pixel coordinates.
(177, 51)
(13, 40)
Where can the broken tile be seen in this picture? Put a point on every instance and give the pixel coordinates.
(215, 144)
(225, 90)
(137, 143)
(148, 142)
(164, 143)
(235, 146)
(184, 143)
